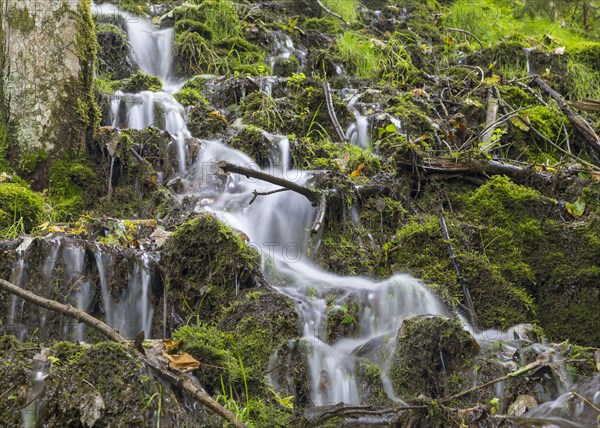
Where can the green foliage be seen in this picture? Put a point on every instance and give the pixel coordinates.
(347, 9)
(219, 16)
(73, 186)
(193, 27)
(359, 54)
(22, 207)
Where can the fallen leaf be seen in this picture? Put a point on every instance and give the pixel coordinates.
(357, 171)
(182, 361)
(577, 209)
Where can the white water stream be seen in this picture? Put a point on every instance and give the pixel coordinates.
(276, 226)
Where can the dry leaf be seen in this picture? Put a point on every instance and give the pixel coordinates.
(182, 361)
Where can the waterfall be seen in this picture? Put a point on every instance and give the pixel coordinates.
(276, 226)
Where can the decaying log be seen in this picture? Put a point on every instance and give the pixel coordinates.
(173, 377)
(578, 122)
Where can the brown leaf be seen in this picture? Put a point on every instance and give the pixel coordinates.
(182, 361)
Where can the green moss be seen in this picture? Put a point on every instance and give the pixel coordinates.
(370, 384)
(328, 25)
(193, 27)
(137, 7)
(194, 55)
(419, 248)
(206, 263)
(141, 81)
(20, 19)
(412, 115)
(73, 187)
(30, 160)
(20, 203)
(209, 345)
(103, 369)
(434, 356)
(205, 122)
(190, 97)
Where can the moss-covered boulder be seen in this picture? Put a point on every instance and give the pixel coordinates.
(20, 205)
(139, 82)
(113, 54)
(434, 356)
(206, 265)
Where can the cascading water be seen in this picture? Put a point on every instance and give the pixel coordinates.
(77, 270)
(151, 48)
(275, 224)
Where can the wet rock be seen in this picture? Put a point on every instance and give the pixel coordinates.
(290, 372)
(206, 265)
(434, 356)
(113, 56)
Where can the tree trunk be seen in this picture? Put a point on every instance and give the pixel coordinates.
(47, 52)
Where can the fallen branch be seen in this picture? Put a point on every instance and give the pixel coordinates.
(331, 111)
(272, 192)
(451, 166)
(381, 414)
(315, 197)
(111, 334)
(312, 195)
(461, 280)
(578, 122)
(521, 371)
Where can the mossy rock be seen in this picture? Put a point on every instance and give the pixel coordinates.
(206, 264)
(190, 97)
(15, 375)
(20, 204)
(141, 81)
(253, 141)
(370, 385)
(113, 53)
(342, 316)
(205, 122)
(193, 54)
(260, 323)
(434, 356)
(117, 381)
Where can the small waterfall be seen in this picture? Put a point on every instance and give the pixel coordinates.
(282, 51)
(527, 55)
(80, 271)
(358, 133)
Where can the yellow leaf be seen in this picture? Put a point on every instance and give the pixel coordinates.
(182, 361)
(519, 123)
(357, 171)
(44, 226)
(171, 345)
(494, 79)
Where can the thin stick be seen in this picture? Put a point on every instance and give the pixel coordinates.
(460, 30)
(257, 194)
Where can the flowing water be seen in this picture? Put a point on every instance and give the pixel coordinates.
(77, 268)
(276, 225)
